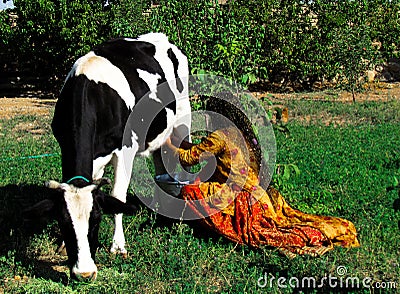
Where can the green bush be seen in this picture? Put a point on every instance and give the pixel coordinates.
(345, 39)
(128, 18)
(385, 27)
(288, 43)
(51, 34)
(5, 28)
(281, 43)
(191, 25)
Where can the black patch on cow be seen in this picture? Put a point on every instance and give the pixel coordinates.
(73, 126)
(79, 183)
(175, 62)
(111, 116)
(129, 56)
(67, 230)
(147, 121)
(94, 226)
(88, 123)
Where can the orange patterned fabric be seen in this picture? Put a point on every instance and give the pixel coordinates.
(234, 204)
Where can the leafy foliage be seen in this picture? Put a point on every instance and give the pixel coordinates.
(50, 34)
(281, 43)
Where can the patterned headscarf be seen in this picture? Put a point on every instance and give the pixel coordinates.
(232, 111)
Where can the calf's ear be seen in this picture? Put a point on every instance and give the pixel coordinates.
(42, 209)
(111, 205)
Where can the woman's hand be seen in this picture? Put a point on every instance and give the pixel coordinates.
(172, 143)
(169, 145)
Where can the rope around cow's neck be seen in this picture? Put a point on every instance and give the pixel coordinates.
(78, 177)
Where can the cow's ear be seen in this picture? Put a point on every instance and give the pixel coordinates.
(111, 205)
(42, 209)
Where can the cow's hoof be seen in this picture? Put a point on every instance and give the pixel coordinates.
(124, 255)
(119, 250)
(84, 277)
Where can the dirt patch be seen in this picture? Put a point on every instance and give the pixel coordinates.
(11, 107)
(34, 128)
(379, 92)
(373, 92)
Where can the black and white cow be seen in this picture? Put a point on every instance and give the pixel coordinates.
(145, 79)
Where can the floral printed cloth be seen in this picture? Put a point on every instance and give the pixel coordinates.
(233, 203)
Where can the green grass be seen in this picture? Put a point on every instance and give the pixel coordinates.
(332, 112)
(344, 171)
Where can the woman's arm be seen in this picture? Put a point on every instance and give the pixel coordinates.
(213, 144)
(169, 145)
(182, 144)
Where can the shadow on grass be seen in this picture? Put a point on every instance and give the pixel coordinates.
(45, 269)
(199, 230)
(396, 206)
(161, 221)
(16, 232)
(396, 203)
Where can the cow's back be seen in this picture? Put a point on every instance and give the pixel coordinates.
(103, 88)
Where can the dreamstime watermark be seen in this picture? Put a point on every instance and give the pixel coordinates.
(339, 280)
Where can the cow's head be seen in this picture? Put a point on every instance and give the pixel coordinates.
(78, 211)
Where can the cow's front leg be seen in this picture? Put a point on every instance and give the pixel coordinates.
(118, 245)
(122, 162)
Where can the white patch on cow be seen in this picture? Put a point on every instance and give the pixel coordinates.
(122, 161)
(134, 137)
(153, 38)
(161, 43)
(152, 82)
(183, 110)
(160, 139)
(100, 69)
(183, 117)
(99, 164)
(80, 204)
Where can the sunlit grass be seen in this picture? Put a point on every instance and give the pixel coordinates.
(344, 171)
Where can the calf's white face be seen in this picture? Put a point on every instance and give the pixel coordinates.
(78, 212)
(79, 202)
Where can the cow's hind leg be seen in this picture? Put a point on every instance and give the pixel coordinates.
(122, 162)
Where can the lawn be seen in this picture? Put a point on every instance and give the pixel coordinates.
(348, 156)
